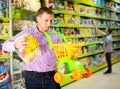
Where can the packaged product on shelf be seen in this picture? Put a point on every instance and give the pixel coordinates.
(61, 5)
(76, 8)
(77, 20)
(88, 61)
(113, 55)
(84, 61)
(1, 42)
(51, 4)
(69, 20)
(4, 29)
(85, 50)
(94, 60)
(5, 81)
(104, 13)
(97, 2)
(101, 59)
(22, 24)
(59, 19)
(77, 31)
(3, 8)
(16, 64)
(88, 11)
(66, 31)
(118, 16)
(70, 7)
(118, 54)
(17, 76)
(117, 7)
(82, 9)
(91, 48)
(102, 3)
(91, 11)
(32, 5)
(98, 12)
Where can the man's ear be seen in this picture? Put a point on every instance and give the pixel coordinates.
(37, 19)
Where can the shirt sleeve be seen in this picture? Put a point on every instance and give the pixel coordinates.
(108, 39)
(8, 46)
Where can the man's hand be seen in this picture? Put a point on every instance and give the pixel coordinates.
(21, 43)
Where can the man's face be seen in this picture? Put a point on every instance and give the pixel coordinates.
(44, 21)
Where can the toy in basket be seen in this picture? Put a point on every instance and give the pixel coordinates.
(67, 64)
(5, 81)
(31, 52)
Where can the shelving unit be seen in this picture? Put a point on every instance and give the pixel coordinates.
(22, 18)
(96, 45)
(5, 34)
(19, 14)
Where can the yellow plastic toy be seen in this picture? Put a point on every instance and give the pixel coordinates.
(30, 53)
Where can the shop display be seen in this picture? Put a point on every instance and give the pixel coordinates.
(4, 29)
(77, 27)
(74, 19)
(5, 81)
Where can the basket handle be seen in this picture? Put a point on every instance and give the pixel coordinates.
(50, 40)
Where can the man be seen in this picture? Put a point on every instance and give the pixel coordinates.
(40, 73)
(108, 46)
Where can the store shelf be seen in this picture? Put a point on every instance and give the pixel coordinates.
(116, 48)
(5, 57)
(94, 69)
(81, 26)
(5, 19)
(116, 1)
(89, 54)
(4, 37)
(22, 14)
(116, 40)
(116, 35)
(92, 43)
(92, 5)
(84, 15)
(84, 36)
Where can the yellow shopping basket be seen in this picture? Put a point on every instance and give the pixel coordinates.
(64, 50)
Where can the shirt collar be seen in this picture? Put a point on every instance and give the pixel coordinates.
(37, 30)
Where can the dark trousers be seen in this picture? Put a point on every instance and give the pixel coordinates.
(108, 59)
(34, 80)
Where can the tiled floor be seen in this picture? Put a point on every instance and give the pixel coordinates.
(99, 80)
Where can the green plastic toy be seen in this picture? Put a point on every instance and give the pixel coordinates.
(67, 63)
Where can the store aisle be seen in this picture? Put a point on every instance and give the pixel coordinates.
(99, 80)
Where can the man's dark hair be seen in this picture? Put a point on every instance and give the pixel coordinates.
(109, 30)
(44, 10)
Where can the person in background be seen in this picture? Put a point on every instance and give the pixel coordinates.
(108, 46)
(40, 73)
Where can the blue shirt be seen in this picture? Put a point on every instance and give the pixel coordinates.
(109, 39)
